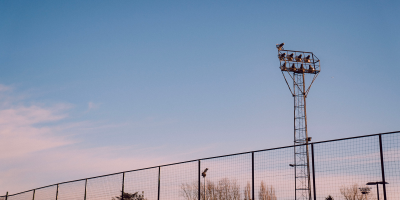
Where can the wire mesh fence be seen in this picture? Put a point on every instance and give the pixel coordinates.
(71, 191)
(273, 176)
(227, 177)
(174, 179)
(22, 196)
(142, 182)
(342, 167)
(391, 158)
(365, 167)
(47, 193)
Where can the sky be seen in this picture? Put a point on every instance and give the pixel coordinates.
(95, 87)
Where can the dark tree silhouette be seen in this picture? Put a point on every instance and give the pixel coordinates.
(329, 198)
(130, 196)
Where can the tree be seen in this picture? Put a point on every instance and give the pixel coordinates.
(190, 191)
(329, 198)
(352, 192)
(130, 196)
(247, 192)
(266, 192)
(224, 189)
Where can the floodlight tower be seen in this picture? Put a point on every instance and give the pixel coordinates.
(297, 65)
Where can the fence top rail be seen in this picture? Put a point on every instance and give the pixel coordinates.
(20, 193)
(362, 136)
(247, 152)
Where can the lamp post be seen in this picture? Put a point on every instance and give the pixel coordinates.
(204, 176)
(377, 187)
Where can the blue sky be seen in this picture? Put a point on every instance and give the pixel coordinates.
(97, 87)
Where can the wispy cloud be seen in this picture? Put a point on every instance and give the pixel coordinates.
(5, 88)
(92, 106)
(41, 144)
(19, 134)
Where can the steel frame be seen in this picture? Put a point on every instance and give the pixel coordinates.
(294, 64)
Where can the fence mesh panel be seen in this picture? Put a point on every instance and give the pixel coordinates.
(48, 193)
(272, 174)
(342, 170)
(228, 177)
(343, 167)
(391, 156)
(142, 182)
(176, 179)
(22, 196)
(71, 191)
(104, 188)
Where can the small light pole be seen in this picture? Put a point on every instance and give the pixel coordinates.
(377, 187)
(204, 176)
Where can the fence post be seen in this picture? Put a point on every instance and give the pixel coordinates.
(252, 175)
(159, 173)
(382, 167)
(123, 182)
(85, 189)
(57, 193)
(313, 170)
(33, 196)
(6, 195)
(199, 182)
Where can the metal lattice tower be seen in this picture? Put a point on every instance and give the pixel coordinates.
(297, 65)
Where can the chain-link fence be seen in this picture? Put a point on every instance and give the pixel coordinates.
(339, 169)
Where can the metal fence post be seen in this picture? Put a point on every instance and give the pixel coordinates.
(199, 182)
(382, 167)
(57, 193)
(6, 195)
(313, 170)
(159, 173)
(252, 175)
(33, 196)
(84, 198)
(123, 182)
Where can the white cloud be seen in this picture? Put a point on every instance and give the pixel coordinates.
(20, 135)
(93, 106)
(39, 146)
(4, 88)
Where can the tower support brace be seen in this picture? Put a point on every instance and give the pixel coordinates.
(301, 153)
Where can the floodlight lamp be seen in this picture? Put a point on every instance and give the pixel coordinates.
(376, 183)
(293, 68)
(309, 139)
(365, 190)
(282, 56)
(283, 67)
(307, 59)
(298, 58)
(280, 46)
(290, 57)
(311, 69)
(301, 68)
(204, 173)
(291, 165)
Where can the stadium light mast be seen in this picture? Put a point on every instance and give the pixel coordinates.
(295, 65)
